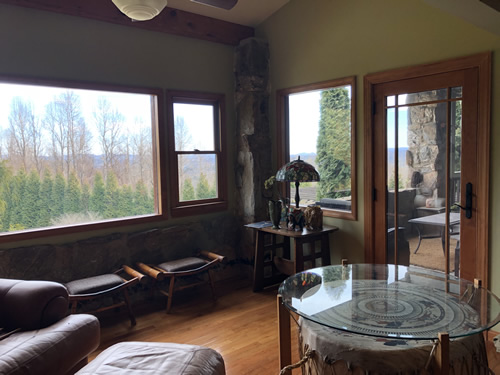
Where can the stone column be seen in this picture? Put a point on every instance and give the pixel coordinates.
(253, 138)
(254, 149)
(427, 144)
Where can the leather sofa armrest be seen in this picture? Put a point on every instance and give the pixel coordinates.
(31, 304)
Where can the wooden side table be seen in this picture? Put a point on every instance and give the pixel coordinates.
(273, 261)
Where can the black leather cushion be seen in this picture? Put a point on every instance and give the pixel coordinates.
(93, 284)
(184, 264)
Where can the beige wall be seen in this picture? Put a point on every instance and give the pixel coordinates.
(317, 40)
(310, 41)
(47, 45)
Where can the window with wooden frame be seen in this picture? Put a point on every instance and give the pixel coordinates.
(316, 122)
(196, 132)
(76, 157)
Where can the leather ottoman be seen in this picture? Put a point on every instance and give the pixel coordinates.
(154, 358)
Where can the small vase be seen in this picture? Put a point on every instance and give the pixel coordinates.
(275, 213)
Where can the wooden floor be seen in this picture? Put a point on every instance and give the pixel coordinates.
(241, 325)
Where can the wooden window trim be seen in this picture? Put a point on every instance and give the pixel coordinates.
(158, 147)
(283, 135)
(179, 209)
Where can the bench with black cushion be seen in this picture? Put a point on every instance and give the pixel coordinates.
(185, 268)
(106, 285)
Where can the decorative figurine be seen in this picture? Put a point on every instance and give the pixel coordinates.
(295, 218)
(313, 217)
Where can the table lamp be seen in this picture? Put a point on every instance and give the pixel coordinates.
(297, 171)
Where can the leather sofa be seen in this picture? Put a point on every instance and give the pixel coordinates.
(37, 336)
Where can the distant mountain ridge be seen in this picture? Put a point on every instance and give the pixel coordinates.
(401, 155)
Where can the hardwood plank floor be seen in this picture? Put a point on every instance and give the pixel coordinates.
(241, 325)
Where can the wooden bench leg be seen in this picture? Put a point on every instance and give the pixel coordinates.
(129, 307)
(170, 293)
(212, 285)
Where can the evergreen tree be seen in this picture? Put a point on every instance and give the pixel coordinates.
(85, 201)
(18, 188)
(203, 188)
(150, 203)
(141, 199)
(126, 204)
(334, 142)
(5, 177)
(46, 202)
(7, 193)
(97, 198)
(111, 197)
(31, 202)
(213, 192)
(73, 195)
(188, 191)
(58, 193)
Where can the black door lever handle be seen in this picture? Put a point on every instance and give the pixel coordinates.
(468, 201)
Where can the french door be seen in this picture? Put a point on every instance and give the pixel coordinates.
(428, 153)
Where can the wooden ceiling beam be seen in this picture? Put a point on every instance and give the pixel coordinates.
(171, 21)
(495, 4)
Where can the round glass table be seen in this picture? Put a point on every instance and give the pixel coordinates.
(387, 302)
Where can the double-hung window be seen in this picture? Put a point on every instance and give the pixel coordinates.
(197, 156)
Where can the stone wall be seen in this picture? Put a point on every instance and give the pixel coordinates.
(99, 255)
(427, 144)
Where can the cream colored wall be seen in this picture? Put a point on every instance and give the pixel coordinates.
(317, 40)
(47, 45)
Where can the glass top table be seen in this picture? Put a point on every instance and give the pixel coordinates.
(390, 301)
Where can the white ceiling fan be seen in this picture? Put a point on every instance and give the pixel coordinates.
(143, 10)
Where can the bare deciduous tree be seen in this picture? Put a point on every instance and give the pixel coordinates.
(109, 122)
(69, 134)
(25, 137)
(142, 150)
(183, 142)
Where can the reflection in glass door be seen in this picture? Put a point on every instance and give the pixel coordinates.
(423, 155)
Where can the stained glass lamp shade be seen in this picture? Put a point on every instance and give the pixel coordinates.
(297, 171)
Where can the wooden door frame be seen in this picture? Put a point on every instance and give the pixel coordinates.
(481, 62)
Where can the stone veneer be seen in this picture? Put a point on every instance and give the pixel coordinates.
(253, 137)
(105, 254)
(427, 144)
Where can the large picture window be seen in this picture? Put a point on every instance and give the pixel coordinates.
(74, 156)
(316, 123)
(197, 156)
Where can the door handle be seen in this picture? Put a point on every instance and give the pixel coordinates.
(468, 201)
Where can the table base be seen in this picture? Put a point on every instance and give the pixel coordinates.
(339, 352)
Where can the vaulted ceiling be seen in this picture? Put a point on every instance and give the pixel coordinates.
(245, 12)
(186, 18)
(484, 14)
(180, 17)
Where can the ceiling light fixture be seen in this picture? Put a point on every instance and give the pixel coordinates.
(140, 10)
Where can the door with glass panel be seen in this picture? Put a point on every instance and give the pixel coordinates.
(425, 172)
